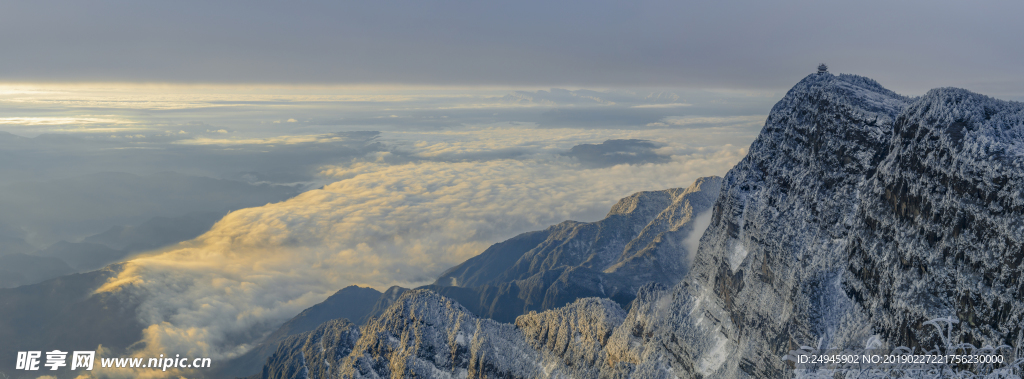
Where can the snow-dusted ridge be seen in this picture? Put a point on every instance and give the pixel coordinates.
(642, 239)
(858, 215)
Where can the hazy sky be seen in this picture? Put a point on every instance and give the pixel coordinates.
(910, 46)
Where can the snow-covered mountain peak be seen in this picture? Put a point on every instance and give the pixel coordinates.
(643, 203)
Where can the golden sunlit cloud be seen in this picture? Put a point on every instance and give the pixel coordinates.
(377, 224)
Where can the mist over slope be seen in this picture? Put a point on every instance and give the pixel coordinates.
(858, 214)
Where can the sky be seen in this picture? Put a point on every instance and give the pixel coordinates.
(380, 143)
(910, 46)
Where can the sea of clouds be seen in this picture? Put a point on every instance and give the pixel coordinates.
(442, 176)
(378, 225)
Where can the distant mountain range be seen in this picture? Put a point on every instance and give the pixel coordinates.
(95, 252)
(111, 216)
(80, 206)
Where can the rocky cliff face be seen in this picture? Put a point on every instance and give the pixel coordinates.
(858, 214)
(942, 230)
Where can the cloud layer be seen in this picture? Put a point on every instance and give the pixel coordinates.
(381, 224)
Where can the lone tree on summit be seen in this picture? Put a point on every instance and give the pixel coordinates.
(822, 68)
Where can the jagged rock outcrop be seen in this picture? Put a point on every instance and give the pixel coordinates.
(422, 335)
(574, 336)
(426, 335)
(312, 354)
(857, 214)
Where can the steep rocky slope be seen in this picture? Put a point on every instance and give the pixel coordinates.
(857, 214)
(642, 239)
